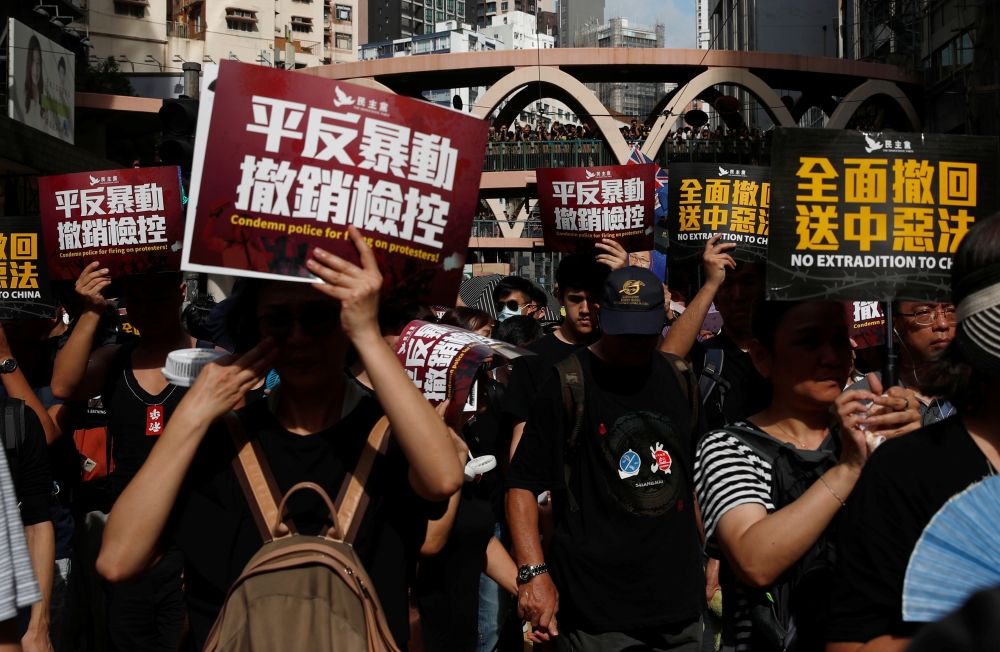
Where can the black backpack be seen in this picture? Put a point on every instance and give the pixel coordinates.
(574, 402)
(791, 614)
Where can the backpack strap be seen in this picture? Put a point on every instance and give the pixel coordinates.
(255, 478)
(711, 375)
(687, 381)
(574, 402)
(352, 501)
(13, 424)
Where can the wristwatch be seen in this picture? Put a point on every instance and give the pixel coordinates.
(8, 365)
(527, 573)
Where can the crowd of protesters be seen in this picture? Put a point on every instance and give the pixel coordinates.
(753, 488)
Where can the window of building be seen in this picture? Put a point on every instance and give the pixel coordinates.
(133, 8)
(423, 46)
(503, 6)
(491, 7)
(303, 1)
(344, 12)
(451, 6)
(443, 43)
(301, 24)
(241, 20)
(461, 8)
(343, 41)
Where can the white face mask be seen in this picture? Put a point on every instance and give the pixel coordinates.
(507, 313)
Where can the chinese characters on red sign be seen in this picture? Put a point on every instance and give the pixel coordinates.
(129, 220)
(579, 206)
(706, 199)
(295, 159)
(443, 361)
(865, 322)
(865, 216)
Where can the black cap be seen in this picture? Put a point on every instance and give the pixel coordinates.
(632, 303)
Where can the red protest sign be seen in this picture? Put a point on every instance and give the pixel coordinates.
(443, 361)
(130, 220)
(865, 322)
(579, 206)
(285, 162)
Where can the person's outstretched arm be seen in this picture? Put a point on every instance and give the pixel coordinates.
(435, 472)
(17, 386)
(135, 526)
(683, 332)
(78, 373)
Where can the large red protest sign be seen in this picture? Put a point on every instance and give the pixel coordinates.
(442, 361)
(579, 206)
(130, 220)
(285, 162)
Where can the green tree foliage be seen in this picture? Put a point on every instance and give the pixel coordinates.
(104, 77)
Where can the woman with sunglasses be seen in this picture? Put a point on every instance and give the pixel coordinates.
(312, 430)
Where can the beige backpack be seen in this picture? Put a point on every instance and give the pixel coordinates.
(302, 592)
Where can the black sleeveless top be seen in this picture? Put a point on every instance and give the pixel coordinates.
(132, 415)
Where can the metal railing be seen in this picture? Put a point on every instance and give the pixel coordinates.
(736, 152)
(531, 155)
(489, 228)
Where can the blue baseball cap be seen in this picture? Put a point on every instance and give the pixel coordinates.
(632, 303)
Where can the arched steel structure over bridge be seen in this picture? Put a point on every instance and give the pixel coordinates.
(516, 78)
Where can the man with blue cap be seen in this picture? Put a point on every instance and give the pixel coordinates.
(612, 436)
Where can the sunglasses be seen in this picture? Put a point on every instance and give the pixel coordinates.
(514, 305)
(317, 323)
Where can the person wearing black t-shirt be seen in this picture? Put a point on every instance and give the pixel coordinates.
(147, 614)
(312, 429)
(733, 286)
(908, 480)
(624, 567)
(578, 278)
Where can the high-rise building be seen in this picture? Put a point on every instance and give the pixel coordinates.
(389, 20)
(633, 99)
(809, 27)
(804, 27)
(703, 34)
(575, 15)
(487, 10)
(960, 54)
(150, 39)
(518, 31)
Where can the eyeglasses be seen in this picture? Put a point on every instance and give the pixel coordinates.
(514, 306)
(316, 323)
(927, 317)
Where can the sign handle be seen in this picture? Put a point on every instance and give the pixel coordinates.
(890, 367)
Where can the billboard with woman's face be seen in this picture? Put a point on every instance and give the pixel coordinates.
(40, 81)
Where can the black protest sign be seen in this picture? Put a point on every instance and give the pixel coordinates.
(873, 216)
(708, 198)
(24, 271)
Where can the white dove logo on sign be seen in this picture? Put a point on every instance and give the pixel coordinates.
(94, 180)
(723, 171)
(872, 144)
(590, 175)
(343, 98)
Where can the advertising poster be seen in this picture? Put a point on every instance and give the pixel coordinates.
(284, 162)
(873, 216)
(24, 276)
(130, 220)
(709, 198)
(443, 361)
(40, 82)
(580, 206)
(865, 322)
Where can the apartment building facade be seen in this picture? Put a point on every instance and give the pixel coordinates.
(155, 37)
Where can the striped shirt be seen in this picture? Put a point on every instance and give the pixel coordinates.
(727, 473)
(18, 587)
